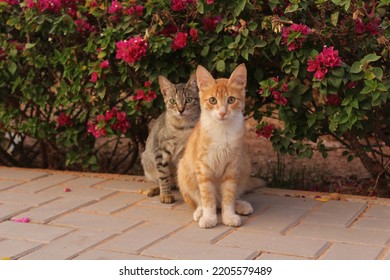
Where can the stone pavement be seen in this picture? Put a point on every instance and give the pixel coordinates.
(100, 216)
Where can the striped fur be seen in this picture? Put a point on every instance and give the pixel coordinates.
(215, 167)
(167, 138)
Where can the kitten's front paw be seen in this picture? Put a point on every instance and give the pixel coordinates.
(243, 207)
(167, 198)
(153, 191)
(207, 222)
(231, 220)
(198, 213)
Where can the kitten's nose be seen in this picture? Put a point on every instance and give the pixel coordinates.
(181, 110)
(222, 114)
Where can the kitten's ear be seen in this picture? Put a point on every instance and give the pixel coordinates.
(165, 85)
(192, 83)
(238, 77)
(204, 78)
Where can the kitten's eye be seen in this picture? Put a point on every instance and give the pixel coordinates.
(172, 101)
(189, 99)
(213, 100)
(231, 100)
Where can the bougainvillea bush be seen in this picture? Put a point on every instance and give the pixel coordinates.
(78, 78)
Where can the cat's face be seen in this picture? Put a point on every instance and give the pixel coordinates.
(181, 100)
(222, 99)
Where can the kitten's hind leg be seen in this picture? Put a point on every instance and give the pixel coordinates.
(243, 207)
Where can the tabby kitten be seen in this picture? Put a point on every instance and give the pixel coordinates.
(215, 166)
(167, 138)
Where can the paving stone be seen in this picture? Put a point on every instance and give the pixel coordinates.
(272, 243)
(343, 251)
(31, 232)
(126, 186)
(97, 222)
(275, 219)
(69, 246)
(43, 183)
(10, 210)
(268, 256)
(372, 223)
(156, 214)
(84, 181)
(20, 174)
(77, 191)
(378, 211)
(113, 203)
(387, 257)
(155, 202)
(336, 213)
(35, 199)
(341, 234)
(194, 233)
(5, 184)
(179, 249)
(15, 248)
(107, 255)
(260, 199)
(51, 210)
(136, 239)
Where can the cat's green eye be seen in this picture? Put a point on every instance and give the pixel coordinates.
(189, 99)
(172, 101)
(213, 100)
(231, 100)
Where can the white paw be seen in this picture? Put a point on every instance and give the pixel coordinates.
(231, 220)
(207, 222)
(243, 207)
(198, 213)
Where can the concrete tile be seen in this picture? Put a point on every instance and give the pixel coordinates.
(373, 223)
(77, 191)
(31, 232)
(52, 210)
(35, 199)
(126, 186)
(16, 248)
(69, 246)
(96, 222)
(20, 174)
(257, 198)
(378, 211)
(336, 213)
(272, 243)
(387, 257)
(275, 219)
(270, 256)
(179, 249)
(43, 183)
(107, 255)
(156, 214)
(194, 233)
(10, 210)
(137, 238)
(5, 184)
(343, 251)
(341, 234)
(113, 203)
(84, 181)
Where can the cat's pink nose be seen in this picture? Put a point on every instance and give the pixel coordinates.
(222, 114)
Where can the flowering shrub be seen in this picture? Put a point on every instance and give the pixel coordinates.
(75, 71)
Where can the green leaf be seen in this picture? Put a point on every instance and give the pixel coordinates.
(12, 67)
(356, 67)
(252, 26)
(378, 72)
(221, 66)
(370, 58)
(205, 51)
(335, 18)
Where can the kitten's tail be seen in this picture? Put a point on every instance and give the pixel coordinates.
(254, 183)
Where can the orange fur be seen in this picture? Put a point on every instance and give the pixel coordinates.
(215, 167)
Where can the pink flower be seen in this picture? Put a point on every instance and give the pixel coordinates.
(371, 27)
(194, 34)
(82, 26)
(151, 96)
(45, 5)
(266, 131)
(105, 64)
(10, 2)
(132, 50)
(115, 7)
(22, 220)
(95, 130)
(135, 11)
(179, 5)
(295, 29)
(279, 98)
(180, 41)
(209, 2)
(94, 77)
(210, 23)
(140, 94)
(64, 120)
(169, 30)
(147, 84)
(333, 100)
(325, 60)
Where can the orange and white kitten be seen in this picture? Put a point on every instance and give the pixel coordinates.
(216, 166)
